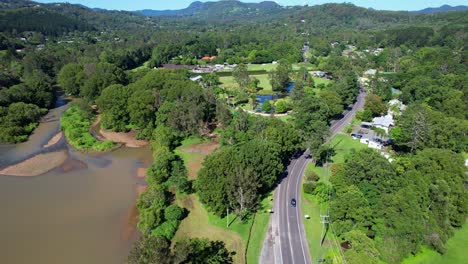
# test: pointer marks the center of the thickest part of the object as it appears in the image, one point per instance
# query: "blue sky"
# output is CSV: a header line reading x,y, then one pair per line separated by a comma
x,y
178,4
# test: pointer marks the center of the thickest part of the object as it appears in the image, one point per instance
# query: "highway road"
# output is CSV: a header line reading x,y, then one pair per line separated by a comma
x,y
286,242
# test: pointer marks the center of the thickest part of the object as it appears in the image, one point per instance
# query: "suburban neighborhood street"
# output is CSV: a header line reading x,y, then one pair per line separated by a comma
x,y
286,241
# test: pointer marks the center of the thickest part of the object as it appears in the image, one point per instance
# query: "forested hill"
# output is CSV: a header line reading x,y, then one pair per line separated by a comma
x,y
59,18
444,8
220,9
40,19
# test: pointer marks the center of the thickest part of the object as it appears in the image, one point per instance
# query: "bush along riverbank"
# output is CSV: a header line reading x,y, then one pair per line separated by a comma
x,y
75,124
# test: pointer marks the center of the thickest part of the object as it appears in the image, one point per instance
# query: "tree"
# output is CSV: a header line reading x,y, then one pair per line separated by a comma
x,y
113,106
362,248
266,106
334,102
104,75
141,108
281,106
413,128
241,76
200,251
71,78
151,206
375,105
150,250
279,78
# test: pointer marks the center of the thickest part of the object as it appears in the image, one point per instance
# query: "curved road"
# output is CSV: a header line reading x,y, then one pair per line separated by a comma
x,y
286,241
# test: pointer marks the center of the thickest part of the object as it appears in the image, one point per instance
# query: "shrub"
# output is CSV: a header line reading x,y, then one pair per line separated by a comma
x,y
312,176
309,187
166,229
174,212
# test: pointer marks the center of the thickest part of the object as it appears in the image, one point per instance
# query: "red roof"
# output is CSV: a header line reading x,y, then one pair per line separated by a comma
x,y
209,58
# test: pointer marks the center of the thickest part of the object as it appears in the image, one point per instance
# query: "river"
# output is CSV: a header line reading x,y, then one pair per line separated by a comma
x,y
80,212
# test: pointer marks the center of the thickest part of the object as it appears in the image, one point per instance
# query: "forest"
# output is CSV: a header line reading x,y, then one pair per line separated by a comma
x,y
114,62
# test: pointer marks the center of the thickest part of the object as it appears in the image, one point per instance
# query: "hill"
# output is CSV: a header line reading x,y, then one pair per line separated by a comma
x,y
444,8
218,9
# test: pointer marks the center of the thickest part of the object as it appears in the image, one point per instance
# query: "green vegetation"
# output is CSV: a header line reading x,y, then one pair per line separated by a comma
x,y
377,205
456,251
75,123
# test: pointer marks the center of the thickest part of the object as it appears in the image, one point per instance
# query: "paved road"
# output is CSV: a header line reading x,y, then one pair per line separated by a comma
x,y
286,242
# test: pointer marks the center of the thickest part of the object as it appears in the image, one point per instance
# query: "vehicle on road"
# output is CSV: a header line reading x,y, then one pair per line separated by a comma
x,y
293,202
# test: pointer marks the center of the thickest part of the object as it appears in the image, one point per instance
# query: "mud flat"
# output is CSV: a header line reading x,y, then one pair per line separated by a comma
x,y
36,165
128,138
54,140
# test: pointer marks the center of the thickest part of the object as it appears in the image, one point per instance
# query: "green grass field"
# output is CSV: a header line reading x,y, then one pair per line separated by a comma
x,y
229,82
201,223
313,230
456,252
142,67
271,67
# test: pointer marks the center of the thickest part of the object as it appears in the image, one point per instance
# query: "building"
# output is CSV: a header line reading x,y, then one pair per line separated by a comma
x,y
395,107
383,122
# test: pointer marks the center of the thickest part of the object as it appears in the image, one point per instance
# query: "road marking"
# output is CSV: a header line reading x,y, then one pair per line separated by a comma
x,y
298,216
287,211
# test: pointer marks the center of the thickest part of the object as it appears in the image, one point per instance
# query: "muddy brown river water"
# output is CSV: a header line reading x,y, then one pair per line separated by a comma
x,y
80,212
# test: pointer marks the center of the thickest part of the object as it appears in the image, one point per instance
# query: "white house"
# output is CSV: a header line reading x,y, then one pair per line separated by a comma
x,y
383,122
395,106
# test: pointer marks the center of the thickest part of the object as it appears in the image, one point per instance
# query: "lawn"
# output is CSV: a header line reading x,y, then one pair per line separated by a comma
x,y
343,144
456,252
313,229
271,67
229,82
142,67
200,223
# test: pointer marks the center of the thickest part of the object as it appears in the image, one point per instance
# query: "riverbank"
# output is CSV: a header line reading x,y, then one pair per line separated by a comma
x,y
37,165
127,139
75,124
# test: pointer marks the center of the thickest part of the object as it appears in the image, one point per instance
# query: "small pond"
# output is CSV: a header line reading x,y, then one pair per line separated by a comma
x,y
262,98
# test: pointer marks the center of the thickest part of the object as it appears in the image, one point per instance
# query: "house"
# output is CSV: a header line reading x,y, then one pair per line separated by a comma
x,y
395,107
383,122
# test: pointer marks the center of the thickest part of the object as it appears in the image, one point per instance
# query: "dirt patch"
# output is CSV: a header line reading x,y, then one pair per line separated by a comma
x,y
128,138
197,154
54,140
205,148
36,165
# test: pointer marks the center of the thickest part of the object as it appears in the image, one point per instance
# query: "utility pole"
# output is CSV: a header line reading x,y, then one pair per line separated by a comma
x,y
227,217
324,222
